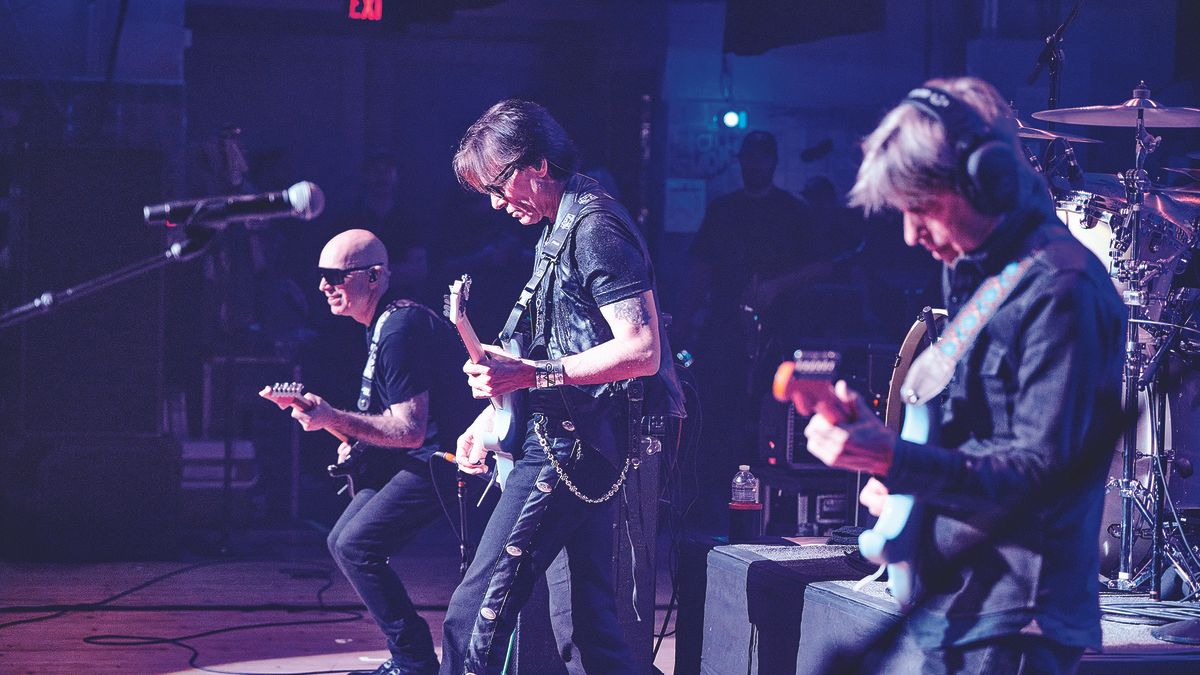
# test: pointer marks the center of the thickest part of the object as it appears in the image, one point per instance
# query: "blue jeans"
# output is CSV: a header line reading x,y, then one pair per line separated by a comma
x,y
536,520
376,524
1008,655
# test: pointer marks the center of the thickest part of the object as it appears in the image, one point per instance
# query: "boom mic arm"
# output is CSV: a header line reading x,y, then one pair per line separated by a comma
x,y
303,200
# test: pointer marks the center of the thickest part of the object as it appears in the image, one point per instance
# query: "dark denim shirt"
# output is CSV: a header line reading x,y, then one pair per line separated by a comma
x,y
1014,488
604,260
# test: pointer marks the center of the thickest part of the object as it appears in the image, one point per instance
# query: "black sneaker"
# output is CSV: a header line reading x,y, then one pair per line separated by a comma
x,y
388,667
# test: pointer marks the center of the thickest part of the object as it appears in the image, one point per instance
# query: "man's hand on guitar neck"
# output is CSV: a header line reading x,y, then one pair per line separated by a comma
x,y
317,415
499,375
862,443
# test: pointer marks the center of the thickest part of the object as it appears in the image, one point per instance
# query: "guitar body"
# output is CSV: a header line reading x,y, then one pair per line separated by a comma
x,y
350,468
508,427
896,536
291,395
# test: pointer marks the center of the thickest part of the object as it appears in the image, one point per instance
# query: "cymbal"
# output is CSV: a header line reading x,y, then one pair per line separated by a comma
x,y
1194,155
1026,131
1112,185
1194,174
1185,190
1125,114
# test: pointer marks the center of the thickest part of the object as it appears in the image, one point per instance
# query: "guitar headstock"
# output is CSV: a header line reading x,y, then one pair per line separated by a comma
x,y
455,308
284,394
805,382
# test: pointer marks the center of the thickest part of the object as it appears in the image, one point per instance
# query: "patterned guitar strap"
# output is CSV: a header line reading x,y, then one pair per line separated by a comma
x,y
934,368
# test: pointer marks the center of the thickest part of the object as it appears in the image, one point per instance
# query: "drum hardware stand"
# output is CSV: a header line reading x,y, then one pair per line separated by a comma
x,y
1151,501
1134,298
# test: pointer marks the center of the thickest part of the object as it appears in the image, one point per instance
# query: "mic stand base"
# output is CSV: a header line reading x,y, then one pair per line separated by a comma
x,y
1181,632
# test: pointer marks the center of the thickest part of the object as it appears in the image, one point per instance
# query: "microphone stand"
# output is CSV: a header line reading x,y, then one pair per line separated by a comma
x,y
1052,56
465,554
196,243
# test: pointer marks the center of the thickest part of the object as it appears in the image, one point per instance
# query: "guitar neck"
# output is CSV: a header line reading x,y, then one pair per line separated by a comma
x,y
304,406
470,340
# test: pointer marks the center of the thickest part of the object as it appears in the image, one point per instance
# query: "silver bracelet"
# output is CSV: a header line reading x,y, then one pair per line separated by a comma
x,y
548,373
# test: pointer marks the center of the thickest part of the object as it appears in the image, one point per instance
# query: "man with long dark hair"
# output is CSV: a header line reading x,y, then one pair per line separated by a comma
x,y
594,331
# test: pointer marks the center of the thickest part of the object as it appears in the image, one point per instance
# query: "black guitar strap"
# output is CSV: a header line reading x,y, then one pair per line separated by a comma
x,y
582,191
368,375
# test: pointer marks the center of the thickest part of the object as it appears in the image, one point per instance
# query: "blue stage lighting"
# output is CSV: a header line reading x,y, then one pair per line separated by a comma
x,y
734,119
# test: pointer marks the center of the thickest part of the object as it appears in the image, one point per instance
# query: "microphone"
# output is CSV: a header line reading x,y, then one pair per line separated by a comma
x,y
1074,173
303,200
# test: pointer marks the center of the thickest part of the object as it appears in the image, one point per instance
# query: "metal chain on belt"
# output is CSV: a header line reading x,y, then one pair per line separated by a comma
x,y
539,429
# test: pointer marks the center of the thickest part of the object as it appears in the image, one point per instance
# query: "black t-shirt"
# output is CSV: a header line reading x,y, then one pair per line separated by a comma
x,y
418,352
607,261
604,260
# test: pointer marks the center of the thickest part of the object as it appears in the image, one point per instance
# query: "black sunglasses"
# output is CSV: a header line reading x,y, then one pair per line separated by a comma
x,y
336,277
496,187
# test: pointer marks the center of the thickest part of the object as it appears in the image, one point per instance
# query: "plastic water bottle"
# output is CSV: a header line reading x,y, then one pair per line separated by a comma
x,y
745,486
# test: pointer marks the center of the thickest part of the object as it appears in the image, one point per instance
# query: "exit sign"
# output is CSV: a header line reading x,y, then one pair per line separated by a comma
x,y
367,10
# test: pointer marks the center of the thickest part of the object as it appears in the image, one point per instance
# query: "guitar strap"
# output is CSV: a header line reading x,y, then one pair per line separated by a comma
x,y
582,191
933,369
368,375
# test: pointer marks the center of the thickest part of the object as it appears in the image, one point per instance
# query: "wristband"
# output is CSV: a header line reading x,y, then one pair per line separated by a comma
x,y
548,373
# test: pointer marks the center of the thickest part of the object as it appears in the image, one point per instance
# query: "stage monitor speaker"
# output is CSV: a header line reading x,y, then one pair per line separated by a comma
x,y
93,365
91,497
754,601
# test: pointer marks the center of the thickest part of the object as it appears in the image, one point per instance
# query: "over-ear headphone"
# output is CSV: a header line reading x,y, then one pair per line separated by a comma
x,y
988,173
372,275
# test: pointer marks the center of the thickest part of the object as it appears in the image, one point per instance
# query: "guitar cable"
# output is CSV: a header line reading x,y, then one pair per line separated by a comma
x,y
461,531
672,493
179,641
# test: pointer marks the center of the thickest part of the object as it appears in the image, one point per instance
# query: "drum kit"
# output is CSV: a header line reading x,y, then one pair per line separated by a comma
x,y
1146,234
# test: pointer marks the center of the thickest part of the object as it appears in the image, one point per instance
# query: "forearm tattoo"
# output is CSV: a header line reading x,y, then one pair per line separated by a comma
x,y
633,311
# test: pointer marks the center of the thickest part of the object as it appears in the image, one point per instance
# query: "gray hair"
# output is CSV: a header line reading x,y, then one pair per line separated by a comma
x,y
908,156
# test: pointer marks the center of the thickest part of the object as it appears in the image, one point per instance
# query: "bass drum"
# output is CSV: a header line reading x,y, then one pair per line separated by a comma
x,y
1110,522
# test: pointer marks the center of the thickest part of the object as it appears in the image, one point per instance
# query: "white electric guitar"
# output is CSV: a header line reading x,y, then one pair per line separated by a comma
x,y
508,425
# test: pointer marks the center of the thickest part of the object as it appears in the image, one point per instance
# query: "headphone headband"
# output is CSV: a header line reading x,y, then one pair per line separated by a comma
x,y
964,126
987,173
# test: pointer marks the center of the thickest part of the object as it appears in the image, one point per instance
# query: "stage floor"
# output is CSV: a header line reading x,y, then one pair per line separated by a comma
x,y
272,577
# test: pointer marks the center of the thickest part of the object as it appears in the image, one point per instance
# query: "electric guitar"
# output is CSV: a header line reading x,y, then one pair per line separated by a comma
x,y
291,395
894,539
508,425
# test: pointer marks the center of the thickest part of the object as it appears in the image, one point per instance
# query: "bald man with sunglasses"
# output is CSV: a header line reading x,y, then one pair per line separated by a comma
x,y
409,411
